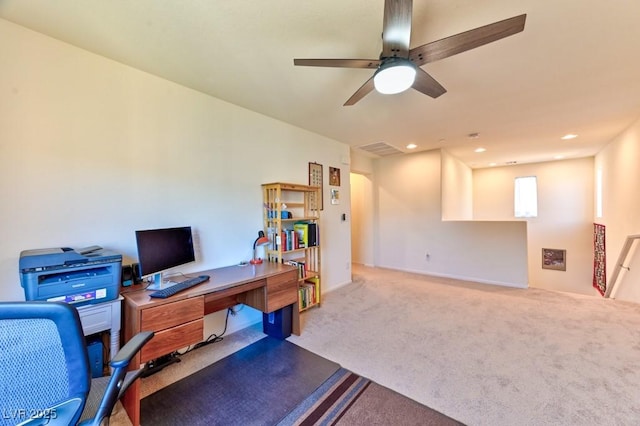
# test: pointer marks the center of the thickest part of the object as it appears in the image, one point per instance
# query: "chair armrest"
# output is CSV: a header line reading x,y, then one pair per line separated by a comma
x,y
130,349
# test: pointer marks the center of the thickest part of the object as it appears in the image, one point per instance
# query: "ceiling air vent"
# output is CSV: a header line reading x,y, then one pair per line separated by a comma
x,y
380,148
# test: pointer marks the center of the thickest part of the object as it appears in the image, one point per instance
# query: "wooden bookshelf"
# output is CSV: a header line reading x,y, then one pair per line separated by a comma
x,y
291,215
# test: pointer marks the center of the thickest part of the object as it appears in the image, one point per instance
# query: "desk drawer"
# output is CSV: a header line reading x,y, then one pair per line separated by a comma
x,y
172,314
282,290
169,340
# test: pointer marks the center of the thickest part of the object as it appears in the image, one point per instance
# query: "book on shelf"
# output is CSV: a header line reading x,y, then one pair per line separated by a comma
x,y
302,267
308,292
287,239
312,231
307,295
301,232
308,234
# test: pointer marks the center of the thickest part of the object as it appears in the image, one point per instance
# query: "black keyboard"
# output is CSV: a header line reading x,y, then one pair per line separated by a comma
x,y
183,285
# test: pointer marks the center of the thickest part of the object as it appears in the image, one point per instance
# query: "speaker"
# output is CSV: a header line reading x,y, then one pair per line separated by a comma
x,y
127,275
137,279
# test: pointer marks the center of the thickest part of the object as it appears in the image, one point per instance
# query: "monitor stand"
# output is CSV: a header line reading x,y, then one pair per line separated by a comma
x,y
158,283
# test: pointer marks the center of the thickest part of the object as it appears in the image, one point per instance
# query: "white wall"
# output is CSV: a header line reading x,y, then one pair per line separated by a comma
x,y
412,236
621,207
457,188
361,163
565,217
91,150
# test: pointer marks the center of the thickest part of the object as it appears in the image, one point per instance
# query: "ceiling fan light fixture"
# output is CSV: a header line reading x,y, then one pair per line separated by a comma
x,y
394,75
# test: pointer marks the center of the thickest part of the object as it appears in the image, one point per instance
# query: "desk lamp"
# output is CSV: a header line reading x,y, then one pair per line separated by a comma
x,y
260,241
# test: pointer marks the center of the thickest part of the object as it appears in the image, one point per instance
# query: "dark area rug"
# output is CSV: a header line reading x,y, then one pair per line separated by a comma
x,y
347,399
258,385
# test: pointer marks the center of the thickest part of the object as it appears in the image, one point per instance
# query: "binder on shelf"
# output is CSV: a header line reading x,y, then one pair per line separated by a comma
x,y
302,232
312,232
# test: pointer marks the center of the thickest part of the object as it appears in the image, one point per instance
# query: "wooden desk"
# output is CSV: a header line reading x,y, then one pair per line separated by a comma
x,y
178,321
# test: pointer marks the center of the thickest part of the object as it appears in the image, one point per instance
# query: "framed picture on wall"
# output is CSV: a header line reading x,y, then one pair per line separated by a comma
x,y
334,176
554,259
315,179
335,196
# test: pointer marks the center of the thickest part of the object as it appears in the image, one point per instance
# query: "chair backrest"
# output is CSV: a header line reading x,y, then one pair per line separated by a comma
x,y
43,362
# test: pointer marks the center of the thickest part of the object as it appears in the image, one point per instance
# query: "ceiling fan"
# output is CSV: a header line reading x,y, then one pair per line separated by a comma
x,y
399,66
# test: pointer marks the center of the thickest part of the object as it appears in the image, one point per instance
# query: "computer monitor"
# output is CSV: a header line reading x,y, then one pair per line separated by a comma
x,y
162,249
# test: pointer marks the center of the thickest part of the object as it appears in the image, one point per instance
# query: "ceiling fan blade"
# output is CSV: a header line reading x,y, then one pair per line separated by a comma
x,y
396,30
341,63
467,40
428,85
363,91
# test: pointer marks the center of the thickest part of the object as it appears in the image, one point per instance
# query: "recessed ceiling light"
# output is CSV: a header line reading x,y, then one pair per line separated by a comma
x,y
559,157
412,146
569,136
480,149
493,164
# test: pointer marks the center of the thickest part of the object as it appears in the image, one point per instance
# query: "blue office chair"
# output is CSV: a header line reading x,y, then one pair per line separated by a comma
x,y
45,375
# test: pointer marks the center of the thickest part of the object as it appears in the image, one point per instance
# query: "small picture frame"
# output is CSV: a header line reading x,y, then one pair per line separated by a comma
x,y
315,179
555,259
335,196
334,176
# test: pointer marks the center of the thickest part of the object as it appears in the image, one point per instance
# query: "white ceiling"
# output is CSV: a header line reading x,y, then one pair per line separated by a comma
x,y
574,69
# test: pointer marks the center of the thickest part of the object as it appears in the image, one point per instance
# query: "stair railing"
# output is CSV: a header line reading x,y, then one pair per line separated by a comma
x,y
620,263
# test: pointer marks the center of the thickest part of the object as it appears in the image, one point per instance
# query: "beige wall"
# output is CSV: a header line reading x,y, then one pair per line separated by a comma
x,y
91,150
362,237
565,216
362,208
411,236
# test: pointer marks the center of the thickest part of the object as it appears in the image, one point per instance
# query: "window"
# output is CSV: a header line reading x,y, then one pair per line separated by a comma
x,y
526,197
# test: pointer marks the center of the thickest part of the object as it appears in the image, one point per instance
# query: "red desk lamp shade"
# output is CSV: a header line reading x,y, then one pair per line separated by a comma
x,y
260,241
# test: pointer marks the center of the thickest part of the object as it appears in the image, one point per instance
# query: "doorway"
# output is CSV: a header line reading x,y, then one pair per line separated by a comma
x,y
362,220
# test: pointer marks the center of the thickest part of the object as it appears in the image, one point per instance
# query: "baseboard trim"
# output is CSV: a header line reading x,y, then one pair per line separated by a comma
x,y
461,278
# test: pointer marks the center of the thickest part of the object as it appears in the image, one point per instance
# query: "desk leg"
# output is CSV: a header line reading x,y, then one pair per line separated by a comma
x,y
295,319
131,402
131,398
115,343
